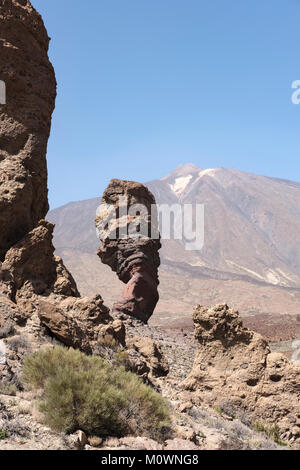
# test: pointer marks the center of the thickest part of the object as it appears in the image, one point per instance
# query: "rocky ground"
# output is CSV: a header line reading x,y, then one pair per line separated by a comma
x,y
196,424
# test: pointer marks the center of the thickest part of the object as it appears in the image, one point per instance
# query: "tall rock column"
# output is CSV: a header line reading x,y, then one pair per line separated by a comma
x,y
25,120
27,262
133,255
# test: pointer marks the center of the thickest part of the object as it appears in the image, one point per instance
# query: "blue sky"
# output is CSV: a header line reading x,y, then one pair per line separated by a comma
x,y
147,85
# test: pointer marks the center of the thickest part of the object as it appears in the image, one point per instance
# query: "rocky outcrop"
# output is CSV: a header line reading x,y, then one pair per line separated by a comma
x,y
10,315
25,120
236,372
132,254
34,268
152,353
114,331
75,323
36,289
28,265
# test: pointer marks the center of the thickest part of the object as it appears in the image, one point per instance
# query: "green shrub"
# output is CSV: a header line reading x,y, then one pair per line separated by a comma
x,y
86,392
2,434
271,431
8,389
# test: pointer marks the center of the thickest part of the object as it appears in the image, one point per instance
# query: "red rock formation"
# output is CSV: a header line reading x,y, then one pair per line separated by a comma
x,y
135,259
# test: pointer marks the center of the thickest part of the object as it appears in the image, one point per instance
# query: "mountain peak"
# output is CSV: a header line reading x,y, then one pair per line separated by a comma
x,y
182,170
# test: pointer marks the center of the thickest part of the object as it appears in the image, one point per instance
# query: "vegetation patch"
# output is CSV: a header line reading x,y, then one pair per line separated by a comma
x,y
88,393
8,389
271,431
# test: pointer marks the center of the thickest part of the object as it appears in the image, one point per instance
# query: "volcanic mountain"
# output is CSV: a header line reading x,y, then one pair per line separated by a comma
x,y
250,257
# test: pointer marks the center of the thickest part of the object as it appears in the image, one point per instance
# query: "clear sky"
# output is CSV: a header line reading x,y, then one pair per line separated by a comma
x,y
147,85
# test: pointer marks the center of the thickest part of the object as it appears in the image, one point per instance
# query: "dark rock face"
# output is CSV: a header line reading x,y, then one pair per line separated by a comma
x,y
125,206
25,120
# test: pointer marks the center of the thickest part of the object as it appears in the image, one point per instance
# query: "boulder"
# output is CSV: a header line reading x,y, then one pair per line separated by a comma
x,y
115,330
71,324
10,313
152,353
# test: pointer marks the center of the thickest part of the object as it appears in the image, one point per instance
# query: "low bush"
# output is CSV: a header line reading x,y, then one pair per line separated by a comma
x,y
8,389
18,343
86,392
6,330
271,431
15,427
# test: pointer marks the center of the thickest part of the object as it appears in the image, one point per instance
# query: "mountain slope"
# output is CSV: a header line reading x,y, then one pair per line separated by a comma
x,y
250,258
251,223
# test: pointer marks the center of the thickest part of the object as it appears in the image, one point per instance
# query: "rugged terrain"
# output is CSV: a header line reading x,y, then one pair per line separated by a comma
x,y
199,421
41,307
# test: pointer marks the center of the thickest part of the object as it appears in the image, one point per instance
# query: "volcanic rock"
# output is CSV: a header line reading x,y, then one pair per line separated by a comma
x,y
10,313
75,323
33,266
130,252
36,289
235,371
114,331
152,353
25,120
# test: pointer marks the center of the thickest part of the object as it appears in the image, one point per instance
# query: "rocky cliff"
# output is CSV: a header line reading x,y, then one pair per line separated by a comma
x,y
25,120
27,261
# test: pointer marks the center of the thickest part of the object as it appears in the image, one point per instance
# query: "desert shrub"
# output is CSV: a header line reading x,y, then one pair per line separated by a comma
x,y
227,408
88,393
15,427
271,431
107,348
238,429
19,342
8,389
6,330
2,434
111,351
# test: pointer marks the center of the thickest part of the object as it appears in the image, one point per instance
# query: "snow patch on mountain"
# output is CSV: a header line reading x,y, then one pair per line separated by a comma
x,y
180,184
209,171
